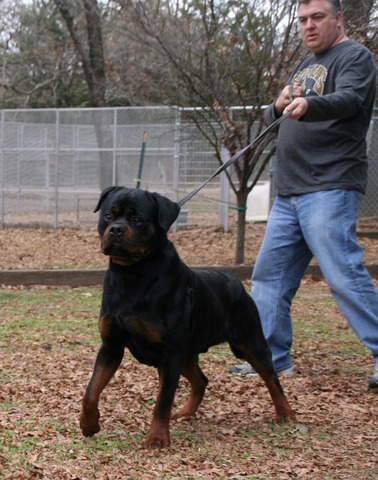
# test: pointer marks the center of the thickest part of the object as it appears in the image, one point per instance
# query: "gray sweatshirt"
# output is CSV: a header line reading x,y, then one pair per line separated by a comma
x,y
326,149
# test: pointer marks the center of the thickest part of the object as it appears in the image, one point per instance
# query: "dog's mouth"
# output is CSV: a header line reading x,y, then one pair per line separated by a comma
x,y
124,254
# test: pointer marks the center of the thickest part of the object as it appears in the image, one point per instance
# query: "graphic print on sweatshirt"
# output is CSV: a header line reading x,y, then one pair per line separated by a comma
x,y
312,79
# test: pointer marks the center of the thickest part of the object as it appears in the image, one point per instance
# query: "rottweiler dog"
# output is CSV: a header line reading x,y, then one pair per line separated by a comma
x,y
165,313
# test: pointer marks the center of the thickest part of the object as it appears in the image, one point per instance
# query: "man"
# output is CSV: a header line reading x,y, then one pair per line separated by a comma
x,y
321,177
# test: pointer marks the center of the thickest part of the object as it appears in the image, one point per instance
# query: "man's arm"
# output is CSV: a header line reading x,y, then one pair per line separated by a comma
x,y
353,84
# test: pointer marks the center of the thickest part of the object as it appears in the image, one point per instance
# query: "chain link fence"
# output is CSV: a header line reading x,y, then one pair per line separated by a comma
x,y
54,164
369,207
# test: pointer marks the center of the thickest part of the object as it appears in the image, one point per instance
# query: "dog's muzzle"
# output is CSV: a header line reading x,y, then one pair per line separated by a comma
x,y
113,239
120,244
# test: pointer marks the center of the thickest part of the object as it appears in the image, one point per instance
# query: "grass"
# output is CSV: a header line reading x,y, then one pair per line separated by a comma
x,y
48,343
45,313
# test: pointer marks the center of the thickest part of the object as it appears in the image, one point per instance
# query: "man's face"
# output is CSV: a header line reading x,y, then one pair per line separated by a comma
x,y
320,28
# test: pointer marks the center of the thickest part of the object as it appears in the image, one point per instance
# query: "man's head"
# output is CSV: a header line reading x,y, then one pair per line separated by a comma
x,y
320,23
333,5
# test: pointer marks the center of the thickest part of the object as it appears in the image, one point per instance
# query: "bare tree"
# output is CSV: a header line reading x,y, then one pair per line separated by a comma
x,y
361,22
223,54
33,56
91,54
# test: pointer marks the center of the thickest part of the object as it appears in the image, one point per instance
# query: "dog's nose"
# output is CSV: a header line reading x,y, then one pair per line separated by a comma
x,y
117,230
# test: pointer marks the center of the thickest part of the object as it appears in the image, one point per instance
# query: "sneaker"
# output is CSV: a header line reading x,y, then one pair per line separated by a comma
x,y
246,370
373,383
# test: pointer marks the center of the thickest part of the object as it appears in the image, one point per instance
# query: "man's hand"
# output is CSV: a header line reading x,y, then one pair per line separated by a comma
x,y
298,107
291,100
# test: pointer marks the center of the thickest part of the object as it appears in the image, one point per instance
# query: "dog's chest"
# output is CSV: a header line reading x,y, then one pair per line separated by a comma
x,y
135,317
150,332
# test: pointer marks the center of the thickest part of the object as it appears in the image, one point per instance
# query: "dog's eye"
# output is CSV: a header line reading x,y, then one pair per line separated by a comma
x,y
108,217
137,220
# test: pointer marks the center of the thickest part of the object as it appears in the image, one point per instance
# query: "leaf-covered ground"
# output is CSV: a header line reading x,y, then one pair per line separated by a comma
x,y
29,249
48,343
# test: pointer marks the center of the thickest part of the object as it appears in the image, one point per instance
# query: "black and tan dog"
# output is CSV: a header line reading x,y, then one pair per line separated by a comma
x,y
165,313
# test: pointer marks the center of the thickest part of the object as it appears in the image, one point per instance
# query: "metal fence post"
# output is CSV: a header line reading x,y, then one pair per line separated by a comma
x,y
114,173
2,171
176,158
56,186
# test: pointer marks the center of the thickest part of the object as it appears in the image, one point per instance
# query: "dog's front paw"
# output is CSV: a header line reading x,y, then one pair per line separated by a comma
x,y
156,441
287,416
90,424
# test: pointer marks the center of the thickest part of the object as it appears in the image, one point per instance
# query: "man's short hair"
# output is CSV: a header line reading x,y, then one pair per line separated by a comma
x,y
334,5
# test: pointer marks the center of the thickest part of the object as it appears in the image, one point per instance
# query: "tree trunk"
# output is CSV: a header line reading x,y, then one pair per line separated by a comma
x,y
241,223
93,61
105,143
96,58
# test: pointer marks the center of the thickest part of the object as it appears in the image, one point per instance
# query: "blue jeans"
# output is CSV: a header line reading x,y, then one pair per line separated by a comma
x,y
323,225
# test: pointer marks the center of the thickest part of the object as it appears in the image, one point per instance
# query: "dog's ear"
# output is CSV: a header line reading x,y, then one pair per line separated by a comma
x,y
168,211
103,195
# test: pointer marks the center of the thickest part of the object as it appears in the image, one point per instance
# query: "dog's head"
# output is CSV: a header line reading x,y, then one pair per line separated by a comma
x,y
133,222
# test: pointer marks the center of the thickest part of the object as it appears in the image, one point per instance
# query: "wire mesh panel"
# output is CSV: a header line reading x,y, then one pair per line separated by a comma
x,y
197,162
146,148
54,163
369,207
28,145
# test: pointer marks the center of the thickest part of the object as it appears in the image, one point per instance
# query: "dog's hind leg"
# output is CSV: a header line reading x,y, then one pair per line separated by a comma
x,y
262,364
198,382
247,341
107,363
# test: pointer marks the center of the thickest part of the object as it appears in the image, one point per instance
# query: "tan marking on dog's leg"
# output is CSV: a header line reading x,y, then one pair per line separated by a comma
x,y
283,410
90,415
169,374
158,435
198,382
